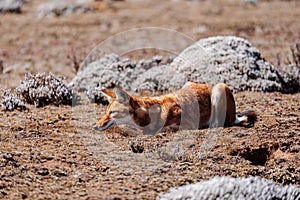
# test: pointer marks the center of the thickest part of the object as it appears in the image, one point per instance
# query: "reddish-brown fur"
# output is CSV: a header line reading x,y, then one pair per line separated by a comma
x,y
193,106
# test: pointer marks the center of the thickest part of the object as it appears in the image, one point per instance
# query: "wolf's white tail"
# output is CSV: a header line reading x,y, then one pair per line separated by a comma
x,y
247,118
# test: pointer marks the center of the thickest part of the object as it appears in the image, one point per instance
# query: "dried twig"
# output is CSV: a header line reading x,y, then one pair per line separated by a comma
x,y
296,54
1,67
290,78
75,59
278,58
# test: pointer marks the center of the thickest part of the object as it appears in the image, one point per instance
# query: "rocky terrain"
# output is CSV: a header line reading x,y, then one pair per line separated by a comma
x,y
49,149
51,152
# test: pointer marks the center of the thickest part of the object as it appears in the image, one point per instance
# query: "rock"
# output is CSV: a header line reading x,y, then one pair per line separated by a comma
x,y
136,146
112,70
228,59
162,78
43,171
13,6
62,7
100,71
59,172
233,188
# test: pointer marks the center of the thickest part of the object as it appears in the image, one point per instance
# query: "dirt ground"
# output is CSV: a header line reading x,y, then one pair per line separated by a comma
x,y
53,152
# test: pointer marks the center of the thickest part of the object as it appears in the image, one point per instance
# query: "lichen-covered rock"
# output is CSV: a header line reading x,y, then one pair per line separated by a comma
x,y
291,80
112,70
62,7
95,96
43,89
161,78
10,101
101,72
13,6
233,188
228,59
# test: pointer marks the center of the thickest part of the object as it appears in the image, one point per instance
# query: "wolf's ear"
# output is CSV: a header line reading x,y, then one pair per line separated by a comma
x,y
109,95
121,95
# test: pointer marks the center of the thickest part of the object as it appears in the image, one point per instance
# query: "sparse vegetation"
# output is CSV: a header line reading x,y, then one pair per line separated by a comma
x,y
53,152
296,55
1,67
11,101
44,89
290,74
55,8
11,6
76,60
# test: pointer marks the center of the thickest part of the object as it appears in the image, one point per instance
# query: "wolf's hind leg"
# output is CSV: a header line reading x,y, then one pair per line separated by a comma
x,y
219,106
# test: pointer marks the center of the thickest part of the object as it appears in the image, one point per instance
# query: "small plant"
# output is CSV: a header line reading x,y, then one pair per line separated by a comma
x,y
1,67
43,89
290,75
11,101
75,59
296,55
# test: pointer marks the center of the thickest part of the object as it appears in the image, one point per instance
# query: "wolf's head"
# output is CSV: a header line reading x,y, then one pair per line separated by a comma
x,y
124,108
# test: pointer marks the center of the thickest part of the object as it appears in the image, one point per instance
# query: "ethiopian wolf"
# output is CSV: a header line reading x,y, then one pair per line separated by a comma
x,y
194,106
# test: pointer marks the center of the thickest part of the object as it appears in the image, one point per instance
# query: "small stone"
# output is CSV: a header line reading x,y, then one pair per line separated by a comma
x,y
43,171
